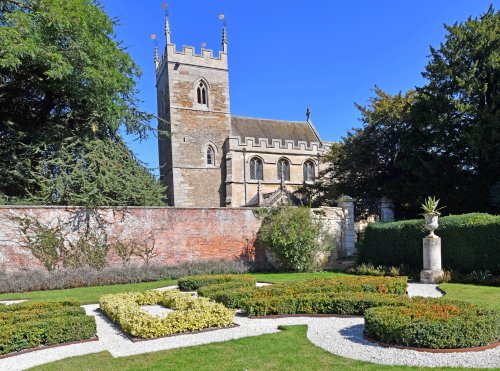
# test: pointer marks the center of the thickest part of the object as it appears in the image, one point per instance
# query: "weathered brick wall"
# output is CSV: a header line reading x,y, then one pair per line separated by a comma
x,y
177,234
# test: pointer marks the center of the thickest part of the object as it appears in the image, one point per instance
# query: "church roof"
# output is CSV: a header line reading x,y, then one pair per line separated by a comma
x,y
247,127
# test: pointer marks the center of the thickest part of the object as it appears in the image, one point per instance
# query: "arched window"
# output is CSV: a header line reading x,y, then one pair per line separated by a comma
x,y
283,169
256,171
202,93
210,156
308,168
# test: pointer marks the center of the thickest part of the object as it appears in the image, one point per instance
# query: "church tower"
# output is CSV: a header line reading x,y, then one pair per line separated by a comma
x,y
194,123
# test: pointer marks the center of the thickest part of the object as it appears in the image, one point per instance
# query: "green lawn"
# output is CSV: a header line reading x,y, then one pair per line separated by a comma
x,y
486,296
88,295
287,350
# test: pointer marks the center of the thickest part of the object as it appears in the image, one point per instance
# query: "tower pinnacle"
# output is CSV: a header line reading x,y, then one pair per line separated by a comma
x,y
157,57
167,28
224,33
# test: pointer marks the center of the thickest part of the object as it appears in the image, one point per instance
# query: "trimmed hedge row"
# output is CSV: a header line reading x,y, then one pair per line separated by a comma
x,y
433,323
238,297
469,242
354,303
191,283
25,326
190,313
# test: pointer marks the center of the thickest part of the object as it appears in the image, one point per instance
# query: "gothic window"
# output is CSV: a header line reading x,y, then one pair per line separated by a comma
x,y
256,171
308,169
202,93
210,156
283,169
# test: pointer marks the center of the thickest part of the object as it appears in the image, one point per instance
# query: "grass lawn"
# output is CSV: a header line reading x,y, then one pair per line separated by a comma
x,y
86,295
486,296
89,295
286,350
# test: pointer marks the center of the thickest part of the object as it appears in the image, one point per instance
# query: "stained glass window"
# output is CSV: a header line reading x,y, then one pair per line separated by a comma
x,y
283,169
256,171
308,171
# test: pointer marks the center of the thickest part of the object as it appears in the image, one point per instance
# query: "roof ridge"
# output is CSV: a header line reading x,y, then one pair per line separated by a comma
x,y
264,119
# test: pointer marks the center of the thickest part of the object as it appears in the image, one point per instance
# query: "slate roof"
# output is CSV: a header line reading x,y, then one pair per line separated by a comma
x,y
247,127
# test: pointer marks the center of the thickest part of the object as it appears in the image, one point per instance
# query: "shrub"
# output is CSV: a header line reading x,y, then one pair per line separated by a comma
x,y
354,303
28,325
470,242
235,297
296,238
64,278
191,283
433,323
190,313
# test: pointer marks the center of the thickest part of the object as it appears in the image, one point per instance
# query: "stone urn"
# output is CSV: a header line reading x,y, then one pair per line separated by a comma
x,y
431,223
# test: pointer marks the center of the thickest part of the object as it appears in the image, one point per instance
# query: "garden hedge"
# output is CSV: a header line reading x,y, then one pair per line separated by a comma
x,y
190,313
25,326
353,303
433,323
234,297
191,283
470,242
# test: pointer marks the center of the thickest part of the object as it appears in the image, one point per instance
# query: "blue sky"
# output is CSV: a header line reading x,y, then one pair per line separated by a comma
x,y
287,55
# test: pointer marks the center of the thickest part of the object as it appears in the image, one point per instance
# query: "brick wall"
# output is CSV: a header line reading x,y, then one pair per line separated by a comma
x,y
178,234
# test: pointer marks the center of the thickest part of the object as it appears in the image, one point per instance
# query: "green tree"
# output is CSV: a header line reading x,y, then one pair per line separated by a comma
x,y
442,139
67,89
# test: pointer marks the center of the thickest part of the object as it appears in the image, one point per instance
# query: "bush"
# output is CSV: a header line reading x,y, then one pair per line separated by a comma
x,y
354,303
235,297
64,278
296,239
433,323
370,270
470,242
190,313
29,325
191,283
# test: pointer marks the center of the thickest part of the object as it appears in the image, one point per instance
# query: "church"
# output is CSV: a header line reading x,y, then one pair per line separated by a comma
x,y
212,158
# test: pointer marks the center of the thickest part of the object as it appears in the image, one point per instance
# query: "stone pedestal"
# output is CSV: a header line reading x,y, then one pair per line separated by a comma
x,y
432,260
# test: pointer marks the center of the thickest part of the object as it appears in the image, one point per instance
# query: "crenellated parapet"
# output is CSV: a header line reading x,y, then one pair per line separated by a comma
x,y
238,143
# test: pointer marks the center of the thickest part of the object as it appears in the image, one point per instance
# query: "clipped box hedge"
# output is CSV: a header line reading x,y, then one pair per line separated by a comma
x,y
190,313
233,296
433,323
190,283
29,325
470,242
352,303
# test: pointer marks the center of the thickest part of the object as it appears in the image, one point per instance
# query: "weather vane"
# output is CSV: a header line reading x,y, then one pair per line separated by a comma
x,y
153,37
164,7
222,17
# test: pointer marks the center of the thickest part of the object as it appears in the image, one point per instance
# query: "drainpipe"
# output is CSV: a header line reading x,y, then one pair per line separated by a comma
x,y
245,173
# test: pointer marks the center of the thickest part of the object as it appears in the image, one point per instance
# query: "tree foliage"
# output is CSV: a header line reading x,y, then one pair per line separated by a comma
x,y
67,89
440,139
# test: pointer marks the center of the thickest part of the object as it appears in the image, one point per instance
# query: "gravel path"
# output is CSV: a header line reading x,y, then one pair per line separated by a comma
x,y
341,336
424,289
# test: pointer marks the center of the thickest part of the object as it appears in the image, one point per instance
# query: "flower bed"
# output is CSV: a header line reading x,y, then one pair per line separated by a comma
x,y
190,283
237,295
433,323
30,325
190,314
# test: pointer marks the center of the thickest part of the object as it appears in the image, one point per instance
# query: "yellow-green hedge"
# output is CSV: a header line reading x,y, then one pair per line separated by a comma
x,y
190,313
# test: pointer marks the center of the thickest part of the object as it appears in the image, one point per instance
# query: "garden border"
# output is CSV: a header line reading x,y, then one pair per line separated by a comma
x,y
434,350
